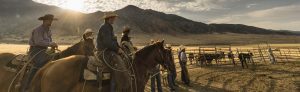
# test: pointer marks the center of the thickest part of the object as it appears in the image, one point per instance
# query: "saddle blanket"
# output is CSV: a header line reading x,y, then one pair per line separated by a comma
x,y
89,75
91,72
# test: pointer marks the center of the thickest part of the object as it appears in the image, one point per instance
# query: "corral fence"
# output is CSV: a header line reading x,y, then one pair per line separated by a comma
x,y
261,52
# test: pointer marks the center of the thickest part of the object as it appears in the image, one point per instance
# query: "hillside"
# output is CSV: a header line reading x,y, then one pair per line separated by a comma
x,y
19,17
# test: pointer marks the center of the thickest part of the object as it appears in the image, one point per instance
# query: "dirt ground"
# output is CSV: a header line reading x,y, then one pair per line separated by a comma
x,y
281,77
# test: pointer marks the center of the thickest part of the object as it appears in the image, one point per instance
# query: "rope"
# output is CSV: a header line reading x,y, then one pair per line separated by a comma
x,y
22,69
155,74
25,65
83,86
111,67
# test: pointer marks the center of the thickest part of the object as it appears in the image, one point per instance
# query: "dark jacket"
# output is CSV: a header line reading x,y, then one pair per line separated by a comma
x,y
126,38
172,63
106,38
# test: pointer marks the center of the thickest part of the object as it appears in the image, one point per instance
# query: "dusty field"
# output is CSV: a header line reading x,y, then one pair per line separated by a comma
x,y
282,77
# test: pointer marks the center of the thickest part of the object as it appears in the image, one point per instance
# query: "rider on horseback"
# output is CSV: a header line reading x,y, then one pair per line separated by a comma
x,y
108,45
40,40
126,41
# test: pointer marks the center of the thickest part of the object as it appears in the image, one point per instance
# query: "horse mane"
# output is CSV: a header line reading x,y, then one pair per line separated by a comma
x,y
145,51
69,50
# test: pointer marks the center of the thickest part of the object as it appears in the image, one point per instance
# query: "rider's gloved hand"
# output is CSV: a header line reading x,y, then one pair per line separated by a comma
x,y
53,45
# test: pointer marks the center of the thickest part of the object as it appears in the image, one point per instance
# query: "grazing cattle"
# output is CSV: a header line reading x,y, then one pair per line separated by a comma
x,y
244,57
207,58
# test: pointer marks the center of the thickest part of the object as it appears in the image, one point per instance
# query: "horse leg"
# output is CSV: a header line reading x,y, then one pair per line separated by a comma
x,y
201,62
251,59
208,62
246,63
233,61
242,62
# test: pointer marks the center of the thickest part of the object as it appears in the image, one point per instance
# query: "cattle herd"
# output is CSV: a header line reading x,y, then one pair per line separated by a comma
x,y
208,58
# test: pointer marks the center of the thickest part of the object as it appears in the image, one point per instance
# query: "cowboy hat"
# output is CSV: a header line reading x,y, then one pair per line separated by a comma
x,y
181,47
88,31
168,46
47,17
109,15
126,29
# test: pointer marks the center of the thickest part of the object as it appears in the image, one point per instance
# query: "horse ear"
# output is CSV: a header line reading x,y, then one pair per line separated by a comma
x,y
161,43
84,37
157,40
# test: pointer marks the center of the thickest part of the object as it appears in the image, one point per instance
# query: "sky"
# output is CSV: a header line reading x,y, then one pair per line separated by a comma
x,y
270,14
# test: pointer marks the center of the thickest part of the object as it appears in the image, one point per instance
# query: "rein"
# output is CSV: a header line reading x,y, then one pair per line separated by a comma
x,y
115,69
111,67
162,55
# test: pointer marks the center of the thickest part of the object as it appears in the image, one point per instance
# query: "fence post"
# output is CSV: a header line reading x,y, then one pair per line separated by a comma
x,y
261,54
286,56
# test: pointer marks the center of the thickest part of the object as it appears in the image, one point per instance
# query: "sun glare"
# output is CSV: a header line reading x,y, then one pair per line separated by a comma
x,y
76,5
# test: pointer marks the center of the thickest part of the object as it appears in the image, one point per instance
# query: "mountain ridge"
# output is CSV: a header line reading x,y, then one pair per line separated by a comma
x,y
143,21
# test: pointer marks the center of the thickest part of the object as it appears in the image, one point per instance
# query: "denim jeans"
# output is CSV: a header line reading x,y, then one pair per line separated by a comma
x,y
156,78
184,73
39,58
171,81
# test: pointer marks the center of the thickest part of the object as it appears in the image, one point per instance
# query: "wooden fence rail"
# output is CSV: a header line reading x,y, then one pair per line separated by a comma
x,y
260,53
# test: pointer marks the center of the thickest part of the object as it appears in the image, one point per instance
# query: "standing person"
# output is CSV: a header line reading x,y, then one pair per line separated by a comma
x,y
172,73
107,43
271,56
231,57
184,71
40,40
156,78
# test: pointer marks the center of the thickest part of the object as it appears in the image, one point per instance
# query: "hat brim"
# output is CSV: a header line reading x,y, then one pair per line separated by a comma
x,y
41,19
111,16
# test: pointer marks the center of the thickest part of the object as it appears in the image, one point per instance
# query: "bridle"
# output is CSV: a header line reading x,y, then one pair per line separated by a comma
x,y
163,57
87,50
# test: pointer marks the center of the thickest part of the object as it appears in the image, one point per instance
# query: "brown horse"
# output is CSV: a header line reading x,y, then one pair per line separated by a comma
x,y
65,75
84,47
5,76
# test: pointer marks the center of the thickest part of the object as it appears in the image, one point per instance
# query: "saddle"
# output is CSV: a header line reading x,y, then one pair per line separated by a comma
x,y
128,48
95,70
16,63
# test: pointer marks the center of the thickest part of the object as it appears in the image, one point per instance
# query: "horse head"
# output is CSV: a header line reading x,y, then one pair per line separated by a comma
x,y
84,47
152,55
88,46
163,55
